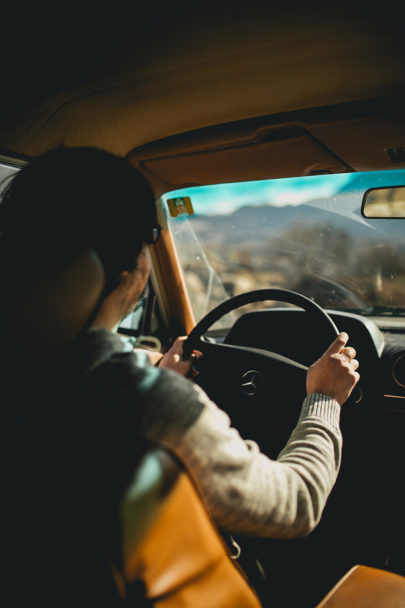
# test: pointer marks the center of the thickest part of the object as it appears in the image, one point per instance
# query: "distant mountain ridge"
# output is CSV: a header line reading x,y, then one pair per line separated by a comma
x,y
266,221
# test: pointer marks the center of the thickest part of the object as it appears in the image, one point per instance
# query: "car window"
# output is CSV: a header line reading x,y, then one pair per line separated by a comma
x,y
305,234
6,173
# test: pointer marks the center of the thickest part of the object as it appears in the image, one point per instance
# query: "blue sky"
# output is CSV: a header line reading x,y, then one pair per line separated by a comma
x,y
226,198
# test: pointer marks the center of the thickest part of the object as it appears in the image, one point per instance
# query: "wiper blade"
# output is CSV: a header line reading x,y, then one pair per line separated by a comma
x,y
377,311
383,311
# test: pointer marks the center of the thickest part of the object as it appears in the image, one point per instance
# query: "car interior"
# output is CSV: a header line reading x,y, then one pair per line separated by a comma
x,y
213,102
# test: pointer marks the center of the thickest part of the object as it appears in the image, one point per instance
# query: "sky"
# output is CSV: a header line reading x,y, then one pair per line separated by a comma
x,y
278,192
226,198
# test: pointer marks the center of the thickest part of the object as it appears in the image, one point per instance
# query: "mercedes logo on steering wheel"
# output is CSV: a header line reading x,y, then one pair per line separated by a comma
x,y
251,382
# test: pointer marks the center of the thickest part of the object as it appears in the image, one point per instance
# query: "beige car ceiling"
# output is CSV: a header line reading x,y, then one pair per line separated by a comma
x,y
204,66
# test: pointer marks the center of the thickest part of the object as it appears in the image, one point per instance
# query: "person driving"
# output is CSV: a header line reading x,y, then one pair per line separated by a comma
x,y
101,401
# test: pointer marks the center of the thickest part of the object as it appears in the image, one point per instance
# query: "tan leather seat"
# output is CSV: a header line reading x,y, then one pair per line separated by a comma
x,y
172,546
365,587
53,312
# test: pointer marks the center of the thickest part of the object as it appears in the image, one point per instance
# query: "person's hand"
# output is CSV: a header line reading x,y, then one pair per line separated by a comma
x,y
173,359
334,374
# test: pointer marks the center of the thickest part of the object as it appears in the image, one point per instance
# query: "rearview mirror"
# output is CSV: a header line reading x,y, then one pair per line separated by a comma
x,y
384,202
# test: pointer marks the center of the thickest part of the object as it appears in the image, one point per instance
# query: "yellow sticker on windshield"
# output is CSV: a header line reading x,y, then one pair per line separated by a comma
x,y
180,206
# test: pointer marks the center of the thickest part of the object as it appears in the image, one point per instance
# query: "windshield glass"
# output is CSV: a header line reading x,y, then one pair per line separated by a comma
x,y
305,234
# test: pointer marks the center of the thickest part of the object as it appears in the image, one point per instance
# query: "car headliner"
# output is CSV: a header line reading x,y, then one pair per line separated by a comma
x,y
262,90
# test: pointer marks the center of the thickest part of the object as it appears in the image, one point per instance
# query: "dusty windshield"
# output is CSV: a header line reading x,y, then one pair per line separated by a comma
x,y
304,234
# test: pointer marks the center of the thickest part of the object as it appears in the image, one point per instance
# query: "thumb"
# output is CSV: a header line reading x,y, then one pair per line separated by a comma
x,y
337,344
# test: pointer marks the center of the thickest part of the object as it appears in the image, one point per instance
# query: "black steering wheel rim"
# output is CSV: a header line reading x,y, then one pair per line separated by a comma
x,y
281,295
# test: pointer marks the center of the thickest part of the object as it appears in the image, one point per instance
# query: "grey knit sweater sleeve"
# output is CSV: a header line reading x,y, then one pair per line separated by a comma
x,y
245,491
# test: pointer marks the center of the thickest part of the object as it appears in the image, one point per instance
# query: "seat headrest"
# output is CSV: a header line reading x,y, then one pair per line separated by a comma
x,y
58,308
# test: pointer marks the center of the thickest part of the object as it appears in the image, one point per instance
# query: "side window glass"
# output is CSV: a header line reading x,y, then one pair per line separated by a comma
x,y
135,320
6,173
144,321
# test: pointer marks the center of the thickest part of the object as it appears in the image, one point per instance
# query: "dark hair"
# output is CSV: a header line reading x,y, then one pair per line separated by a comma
x,y
70,198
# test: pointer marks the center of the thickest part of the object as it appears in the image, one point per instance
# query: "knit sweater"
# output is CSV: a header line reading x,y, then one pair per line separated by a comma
x,y
245,491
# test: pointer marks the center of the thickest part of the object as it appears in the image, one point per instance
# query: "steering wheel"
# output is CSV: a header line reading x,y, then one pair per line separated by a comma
x,y
249,383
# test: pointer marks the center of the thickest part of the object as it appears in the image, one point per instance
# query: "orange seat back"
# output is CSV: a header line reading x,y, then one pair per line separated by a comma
x,y
181,558
365,587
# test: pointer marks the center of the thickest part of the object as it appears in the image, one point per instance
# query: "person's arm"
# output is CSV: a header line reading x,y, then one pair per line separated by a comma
x,y
245,491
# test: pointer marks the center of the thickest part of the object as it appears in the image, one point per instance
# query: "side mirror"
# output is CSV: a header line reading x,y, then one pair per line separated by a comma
x,y
384,203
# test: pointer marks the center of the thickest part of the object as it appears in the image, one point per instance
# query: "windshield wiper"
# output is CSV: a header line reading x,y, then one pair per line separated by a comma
x,y
377,311
383,311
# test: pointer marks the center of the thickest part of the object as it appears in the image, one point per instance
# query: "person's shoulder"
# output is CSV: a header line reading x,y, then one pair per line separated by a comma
x,y
168,382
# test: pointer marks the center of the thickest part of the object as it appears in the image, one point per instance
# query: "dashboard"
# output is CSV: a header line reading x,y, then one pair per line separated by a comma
x,y
291,333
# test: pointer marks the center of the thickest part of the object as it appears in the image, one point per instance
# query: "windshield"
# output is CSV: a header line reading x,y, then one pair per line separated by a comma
x,y
304,234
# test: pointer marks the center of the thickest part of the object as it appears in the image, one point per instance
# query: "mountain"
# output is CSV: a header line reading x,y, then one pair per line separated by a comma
x,y
265,222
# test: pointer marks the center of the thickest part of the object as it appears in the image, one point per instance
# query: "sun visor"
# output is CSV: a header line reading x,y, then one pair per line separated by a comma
x,y
376,142
279,153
